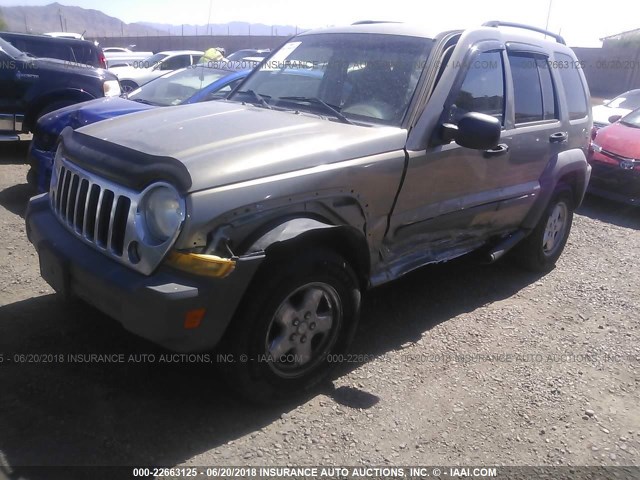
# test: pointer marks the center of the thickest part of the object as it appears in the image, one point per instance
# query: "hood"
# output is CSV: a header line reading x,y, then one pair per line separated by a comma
x,y
68,68
85,113
222,142
601,113
620,139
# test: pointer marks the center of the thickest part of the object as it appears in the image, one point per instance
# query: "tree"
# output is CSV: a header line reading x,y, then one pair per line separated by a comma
x,y
3,24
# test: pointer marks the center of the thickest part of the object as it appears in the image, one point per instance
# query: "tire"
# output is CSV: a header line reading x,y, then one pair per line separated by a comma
x,y
297,312
32,178
128,86
540,251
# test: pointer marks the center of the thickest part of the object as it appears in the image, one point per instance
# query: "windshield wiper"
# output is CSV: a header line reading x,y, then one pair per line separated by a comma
x,y
142,100
316,101
258,97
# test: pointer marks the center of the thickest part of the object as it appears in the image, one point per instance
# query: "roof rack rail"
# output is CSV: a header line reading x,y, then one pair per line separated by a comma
x,y
497,23
371,22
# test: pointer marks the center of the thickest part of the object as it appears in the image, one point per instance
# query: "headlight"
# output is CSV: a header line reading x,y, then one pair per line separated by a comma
x,y
163,212
111,88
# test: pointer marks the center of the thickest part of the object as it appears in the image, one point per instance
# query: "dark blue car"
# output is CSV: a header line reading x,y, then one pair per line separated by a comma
x,y
194,84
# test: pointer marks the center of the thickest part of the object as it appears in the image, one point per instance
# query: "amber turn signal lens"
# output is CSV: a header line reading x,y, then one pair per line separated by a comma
x,y
199,264
193,318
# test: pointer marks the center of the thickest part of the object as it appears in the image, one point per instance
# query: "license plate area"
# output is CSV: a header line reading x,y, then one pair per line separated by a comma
x,y
54,271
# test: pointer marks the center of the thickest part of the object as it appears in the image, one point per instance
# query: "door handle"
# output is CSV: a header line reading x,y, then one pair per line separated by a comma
x,y
498,150
559,137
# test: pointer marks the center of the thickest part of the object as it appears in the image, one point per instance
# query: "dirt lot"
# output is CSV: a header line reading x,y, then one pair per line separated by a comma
x,y
460,364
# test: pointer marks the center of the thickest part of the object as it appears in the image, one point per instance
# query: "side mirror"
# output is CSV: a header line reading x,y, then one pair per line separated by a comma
x,y
614,118
474,130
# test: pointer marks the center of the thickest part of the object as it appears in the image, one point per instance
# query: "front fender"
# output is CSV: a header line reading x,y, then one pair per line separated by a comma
x,y
37,104
301,233
287,231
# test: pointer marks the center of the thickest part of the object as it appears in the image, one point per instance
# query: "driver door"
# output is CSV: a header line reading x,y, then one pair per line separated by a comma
x,y
449,199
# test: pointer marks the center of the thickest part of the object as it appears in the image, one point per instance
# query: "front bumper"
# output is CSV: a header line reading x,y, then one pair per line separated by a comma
x,y
154,307
41,162
614,183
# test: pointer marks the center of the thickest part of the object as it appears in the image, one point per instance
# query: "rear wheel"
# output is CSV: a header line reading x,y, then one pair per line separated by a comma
x,y
296,315
540,251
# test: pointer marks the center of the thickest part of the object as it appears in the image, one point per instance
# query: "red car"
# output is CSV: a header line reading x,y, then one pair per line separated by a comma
x,y
614,156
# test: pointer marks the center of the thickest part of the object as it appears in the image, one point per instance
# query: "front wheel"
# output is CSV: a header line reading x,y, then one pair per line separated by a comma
x,y
540,251
128,86
299,313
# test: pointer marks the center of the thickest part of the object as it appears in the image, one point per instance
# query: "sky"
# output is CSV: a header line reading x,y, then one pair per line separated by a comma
x,y
582,23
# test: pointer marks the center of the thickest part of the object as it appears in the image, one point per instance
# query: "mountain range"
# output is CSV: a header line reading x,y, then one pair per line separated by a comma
x,y
94,23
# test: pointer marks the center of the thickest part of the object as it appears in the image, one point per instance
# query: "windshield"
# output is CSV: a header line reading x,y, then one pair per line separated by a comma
x,y
240,54
367,78
152,60
10,49
630,100
632,119
176,87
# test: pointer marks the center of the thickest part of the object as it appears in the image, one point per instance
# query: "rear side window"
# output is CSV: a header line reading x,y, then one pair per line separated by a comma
x,y
573,87
534,96
482,89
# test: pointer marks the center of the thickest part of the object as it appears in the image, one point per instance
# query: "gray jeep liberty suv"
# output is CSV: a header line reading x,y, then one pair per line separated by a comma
x,y
350,157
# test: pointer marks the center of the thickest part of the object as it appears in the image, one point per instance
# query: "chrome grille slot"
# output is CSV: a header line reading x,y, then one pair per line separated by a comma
x,y
103,219
120,224
81,205
73,196
92,205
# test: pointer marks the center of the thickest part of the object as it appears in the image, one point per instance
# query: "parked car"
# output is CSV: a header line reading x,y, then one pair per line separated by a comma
x,y
124,57
118,50
143,71
31,87
182,87
75,36
70,50
615,158
621,105
248,52
254,224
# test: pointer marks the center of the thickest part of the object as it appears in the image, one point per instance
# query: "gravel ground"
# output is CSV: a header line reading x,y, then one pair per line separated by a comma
x,y
453,365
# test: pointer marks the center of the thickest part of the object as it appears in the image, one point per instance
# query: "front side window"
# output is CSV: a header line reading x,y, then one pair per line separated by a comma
x,y
482,90
369,78
152,60
174,63
10,49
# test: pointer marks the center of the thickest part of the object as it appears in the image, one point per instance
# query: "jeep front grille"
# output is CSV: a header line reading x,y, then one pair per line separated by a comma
x,y
92,211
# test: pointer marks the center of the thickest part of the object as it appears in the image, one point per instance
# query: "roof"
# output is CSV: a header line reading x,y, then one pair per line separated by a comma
x,y
384,28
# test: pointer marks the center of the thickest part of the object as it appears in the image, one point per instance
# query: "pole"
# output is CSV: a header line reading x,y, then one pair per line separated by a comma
x,y
209,18
548,15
